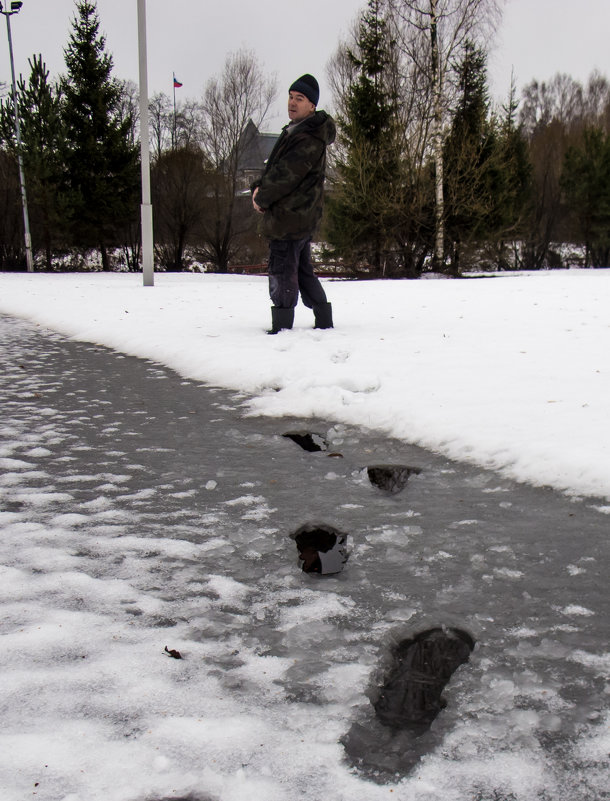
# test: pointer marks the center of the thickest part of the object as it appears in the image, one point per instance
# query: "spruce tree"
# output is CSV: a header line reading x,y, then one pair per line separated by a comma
x,y
585,180
101,161
42,137
512,190
361,212
467,158
487,172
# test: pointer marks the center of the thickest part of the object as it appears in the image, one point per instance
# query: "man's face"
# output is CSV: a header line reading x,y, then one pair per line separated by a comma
x,y
299,106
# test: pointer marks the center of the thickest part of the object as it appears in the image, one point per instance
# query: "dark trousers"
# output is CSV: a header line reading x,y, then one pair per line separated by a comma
x,y
291,272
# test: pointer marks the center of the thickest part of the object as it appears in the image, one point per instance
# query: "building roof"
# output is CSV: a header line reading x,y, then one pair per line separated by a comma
x,y
256,148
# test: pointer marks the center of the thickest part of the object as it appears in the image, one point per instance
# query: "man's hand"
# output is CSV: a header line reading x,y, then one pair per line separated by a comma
x,y
254,203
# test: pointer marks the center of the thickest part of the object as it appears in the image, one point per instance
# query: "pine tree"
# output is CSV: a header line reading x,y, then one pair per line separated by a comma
x,y
42,136
101,161
470,161
362,211
512,189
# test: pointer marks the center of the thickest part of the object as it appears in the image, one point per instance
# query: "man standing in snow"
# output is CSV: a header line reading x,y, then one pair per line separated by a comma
x,y
290,195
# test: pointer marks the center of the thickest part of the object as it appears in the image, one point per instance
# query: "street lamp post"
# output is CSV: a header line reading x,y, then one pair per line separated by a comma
x,y
148,267
13,8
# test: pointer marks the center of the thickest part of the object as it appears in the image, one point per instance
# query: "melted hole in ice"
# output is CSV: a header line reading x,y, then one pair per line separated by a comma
x,y
421,667
308,440
390,477
322,548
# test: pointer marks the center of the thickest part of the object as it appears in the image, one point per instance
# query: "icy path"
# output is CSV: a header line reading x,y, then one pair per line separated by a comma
x,y
138,510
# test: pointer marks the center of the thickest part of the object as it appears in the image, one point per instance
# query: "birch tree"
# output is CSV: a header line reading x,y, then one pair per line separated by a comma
x,y
433,35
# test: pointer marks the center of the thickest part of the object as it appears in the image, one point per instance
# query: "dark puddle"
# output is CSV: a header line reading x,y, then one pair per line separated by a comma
x,y
395,732
390,478
321,548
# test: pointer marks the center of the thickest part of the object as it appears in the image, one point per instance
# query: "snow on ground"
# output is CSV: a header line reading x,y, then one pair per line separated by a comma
x,y
111,549
510,372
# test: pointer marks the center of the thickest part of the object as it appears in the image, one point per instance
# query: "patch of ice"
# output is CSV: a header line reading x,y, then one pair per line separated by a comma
x,y
576,610
73,519
315,608
7,463
229,590
505,572
599,662
246,500
149,492
42,498
36,452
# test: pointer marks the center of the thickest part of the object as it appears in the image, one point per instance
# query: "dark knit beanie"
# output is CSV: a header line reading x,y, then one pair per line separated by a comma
x,y
308,86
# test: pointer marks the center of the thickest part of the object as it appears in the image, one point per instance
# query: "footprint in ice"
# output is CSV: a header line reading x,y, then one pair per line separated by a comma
x,y
411,696
392,734
322,548
391,478
309,441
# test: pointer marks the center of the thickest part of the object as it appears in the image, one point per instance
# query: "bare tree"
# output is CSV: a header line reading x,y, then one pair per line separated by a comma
x,y
432,35
241,93
160,119
597,101
561,100
169,128
341,72
180,187
555,116
128,108
188,125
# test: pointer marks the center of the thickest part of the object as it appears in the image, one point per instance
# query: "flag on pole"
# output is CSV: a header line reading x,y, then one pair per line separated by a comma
x,y
177,83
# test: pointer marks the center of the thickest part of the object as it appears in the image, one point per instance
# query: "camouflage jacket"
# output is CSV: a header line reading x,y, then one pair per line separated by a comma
x,y
291,189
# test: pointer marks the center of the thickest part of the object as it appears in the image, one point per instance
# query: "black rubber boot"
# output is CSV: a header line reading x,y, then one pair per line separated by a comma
x,y
280,319
323,314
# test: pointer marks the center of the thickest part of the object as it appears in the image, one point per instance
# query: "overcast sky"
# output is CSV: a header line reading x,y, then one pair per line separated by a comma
x,y
537,38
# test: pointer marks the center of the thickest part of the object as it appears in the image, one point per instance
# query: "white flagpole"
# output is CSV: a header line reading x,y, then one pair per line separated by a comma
x,y
174,85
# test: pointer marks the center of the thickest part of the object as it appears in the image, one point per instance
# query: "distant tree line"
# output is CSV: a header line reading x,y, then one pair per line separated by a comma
x,y
80,148
430,175
427,173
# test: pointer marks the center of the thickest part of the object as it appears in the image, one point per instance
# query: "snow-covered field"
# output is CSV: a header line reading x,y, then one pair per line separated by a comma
x,y
510,372
110,550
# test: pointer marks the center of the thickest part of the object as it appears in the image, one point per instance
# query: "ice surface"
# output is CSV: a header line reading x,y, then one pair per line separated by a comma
x,y
278,667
